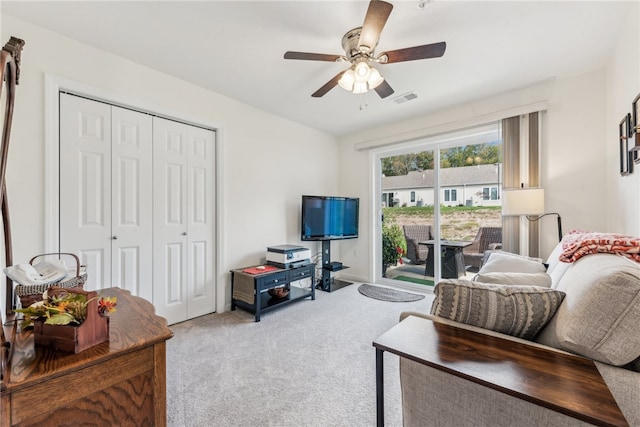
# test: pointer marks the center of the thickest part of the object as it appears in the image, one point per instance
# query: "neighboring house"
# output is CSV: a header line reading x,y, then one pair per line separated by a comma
x,y
477,185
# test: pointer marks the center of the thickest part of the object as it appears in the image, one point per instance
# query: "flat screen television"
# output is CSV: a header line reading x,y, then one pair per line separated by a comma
x,y
329,218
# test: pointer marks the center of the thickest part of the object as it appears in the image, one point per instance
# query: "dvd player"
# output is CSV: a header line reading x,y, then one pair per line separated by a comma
x,y
334,266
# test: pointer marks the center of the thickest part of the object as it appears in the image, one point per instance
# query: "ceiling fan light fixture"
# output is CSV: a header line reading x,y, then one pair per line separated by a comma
x,y
347,80
375,79
359,46
360,87
360,78
362,71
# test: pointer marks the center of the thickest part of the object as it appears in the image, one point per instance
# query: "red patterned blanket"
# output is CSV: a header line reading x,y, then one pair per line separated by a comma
x,y
578,243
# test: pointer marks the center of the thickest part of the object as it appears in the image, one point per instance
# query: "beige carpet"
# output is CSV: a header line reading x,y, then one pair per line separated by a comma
x,y
311,363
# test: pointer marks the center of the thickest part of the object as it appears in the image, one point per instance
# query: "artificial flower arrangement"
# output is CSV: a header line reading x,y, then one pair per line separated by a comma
x,y
64,308
69,319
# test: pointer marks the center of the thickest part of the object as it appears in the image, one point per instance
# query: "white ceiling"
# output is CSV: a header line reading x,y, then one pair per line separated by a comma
x,y
236,48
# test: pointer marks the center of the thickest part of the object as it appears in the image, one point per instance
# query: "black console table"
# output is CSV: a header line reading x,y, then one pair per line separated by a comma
x,y
451,256
251,291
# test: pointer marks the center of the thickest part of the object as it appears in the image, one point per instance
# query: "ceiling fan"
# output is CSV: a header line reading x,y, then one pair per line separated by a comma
x,y
359,45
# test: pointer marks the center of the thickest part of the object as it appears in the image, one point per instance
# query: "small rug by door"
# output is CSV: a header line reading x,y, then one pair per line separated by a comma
x,y
387,294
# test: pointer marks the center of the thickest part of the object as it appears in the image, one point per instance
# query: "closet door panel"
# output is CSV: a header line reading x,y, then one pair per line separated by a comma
x,y
85,185
132,218
94,259
184,220
174,196
170,225
199,267
126,269
174,273
91,194
201,149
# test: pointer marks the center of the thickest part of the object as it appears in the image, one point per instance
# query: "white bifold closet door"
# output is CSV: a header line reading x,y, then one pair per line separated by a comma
x,y
105,198
137,204
183,219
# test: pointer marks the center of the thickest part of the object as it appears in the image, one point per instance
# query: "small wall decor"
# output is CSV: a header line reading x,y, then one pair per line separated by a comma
x,y
635,116
634,130
626,156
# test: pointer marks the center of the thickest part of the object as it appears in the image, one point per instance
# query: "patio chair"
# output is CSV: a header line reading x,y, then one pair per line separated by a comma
x,y
414,234
488,238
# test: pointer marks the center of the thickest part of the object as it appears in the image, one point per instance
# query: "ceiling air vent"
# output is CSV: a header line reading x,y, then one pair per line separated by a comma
x,y
404,98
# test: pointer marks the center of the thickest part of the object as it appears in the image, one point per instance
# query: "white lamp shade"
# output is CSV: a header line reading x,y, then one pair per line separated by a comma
x,y
523,201
374,79
362,71
347,79
360,87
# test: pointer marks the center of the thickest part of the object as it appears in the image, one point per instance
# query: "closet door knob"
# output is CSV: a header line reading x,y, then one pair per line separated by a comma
x,y
184,234
115,237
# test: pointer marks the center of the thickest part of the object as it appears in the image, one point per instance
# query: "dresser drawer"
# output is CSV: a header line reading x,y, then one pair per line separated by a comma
x,y
300,273
272,280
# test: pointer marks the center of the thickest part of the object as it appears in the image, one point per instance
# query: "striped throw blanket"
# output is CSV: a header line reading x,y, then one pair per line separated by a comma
x,y
578,243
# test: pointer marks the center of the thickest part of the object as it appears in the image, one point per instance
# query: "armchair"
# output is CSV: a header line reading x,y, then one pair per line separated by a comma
x,y
413,234
488,238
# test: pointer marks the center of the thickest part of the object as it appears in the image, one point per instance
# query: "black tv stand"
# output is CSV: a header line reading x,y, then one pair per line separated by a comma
x,y
327,283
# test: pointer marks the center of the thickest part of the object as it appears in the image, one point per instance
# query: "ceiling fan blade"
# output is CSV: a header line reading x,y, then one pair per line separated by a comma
x,y
383,89
374,22
312,56
328,85
434,50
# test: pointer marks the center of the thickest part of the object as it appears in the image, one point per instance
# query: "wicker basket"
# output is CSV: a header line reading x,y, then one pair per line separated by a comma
x,y
29,294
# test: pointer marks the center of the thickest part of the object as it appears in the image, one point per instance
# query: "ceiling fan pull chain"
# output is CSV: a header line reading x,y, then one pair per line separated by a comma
x,y
364,104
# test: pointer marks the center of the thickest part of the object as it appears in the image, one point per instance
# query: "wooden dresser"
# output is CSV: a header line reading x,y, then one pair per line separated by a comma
x,y
119,382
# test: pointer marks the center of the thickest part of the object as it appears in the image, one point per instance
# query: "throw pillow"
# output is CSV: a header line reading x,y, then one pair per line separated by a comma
x,y
521,311
505,262
599,320
516,279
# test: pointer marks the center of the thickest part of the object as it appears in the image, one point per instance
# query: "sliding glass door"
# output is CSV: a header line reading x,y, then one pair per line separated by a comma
x,y
440,206
407,203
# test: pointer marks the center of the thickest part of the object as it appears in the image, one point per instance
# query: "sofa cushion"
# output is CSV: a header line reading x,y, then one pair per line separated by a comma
x,y
505,262
517,279
556,268
515,310
599,318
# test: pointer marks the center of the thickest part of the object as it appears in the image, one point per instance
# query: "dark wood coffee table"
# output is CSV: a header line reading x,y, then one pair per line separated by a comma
x,y
561,382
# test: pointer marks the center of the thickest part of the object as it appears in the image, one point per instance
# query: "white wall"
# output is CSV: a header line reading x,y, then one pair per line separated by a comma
x,y
574,165
268,162
623,85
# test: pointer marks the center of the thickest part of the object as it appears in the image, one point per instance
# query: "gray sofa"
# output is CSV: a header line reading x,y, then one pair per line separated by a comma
x,y
598,318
